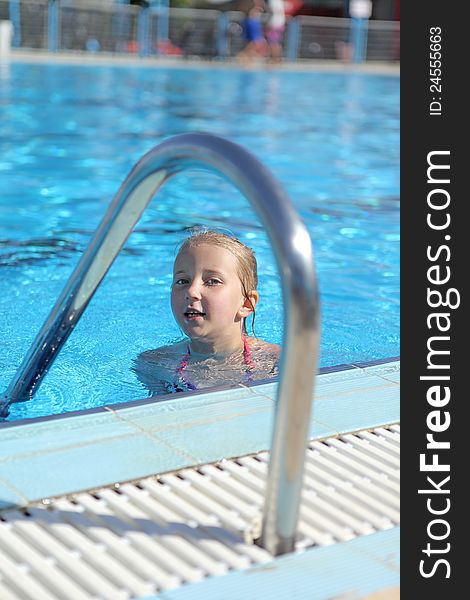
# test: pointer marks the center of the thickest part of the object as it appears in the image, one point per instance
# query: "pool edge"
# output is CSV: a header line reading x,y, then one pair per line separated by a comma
x,y
59,456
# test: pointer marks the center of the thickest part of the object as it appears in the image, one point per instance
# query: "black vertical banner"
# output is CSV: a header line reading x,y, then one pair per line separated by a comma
x,y
434,328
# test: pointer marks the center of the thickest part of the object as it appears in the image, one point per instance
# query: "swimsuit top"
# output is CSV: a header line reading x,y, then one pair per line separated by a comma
x,y
182,384
253,30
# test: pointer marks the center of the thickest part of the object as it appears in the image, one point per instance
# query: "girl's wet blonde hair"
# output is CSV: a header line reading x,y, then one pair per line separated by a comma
x,y
247,268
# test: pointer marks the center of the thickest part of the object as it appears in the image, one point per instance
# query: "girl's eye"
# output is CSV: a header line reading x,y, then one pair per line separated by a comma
x,y
181,281
213,281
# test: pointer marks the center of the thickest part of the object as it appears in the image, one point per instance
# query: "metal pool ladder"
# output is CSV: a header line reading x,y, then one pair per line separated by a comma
x,y
294,254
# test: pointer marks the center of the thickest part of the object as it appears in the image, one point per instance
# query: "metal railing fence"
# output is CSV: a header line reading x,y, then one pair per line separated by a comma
x,y
323,37
94,26
383,41
194,32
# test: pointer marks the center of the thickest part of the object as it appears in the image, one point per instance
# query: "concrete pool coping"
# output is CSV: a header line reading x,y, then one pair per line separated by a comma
x,y
104,59
46,457
365,566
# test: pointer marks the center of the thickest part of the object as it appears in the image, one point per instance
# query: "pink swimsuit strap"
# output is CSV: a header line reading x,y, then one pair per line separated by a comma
x,y
247,353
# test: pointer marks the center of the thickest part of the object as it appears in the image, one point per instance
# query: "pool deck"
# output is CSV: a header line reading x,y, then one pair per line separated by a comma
x,y
157,437
103,58
364,567
54,456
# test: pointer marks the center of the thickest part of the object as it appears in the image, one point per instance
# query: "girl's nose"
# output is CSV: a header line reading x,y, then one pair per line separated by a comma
x,y
193,291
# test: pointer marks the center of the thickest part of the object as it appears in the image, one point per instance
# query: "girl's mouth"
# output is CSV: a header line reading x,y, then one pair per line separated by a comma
x,y
194,314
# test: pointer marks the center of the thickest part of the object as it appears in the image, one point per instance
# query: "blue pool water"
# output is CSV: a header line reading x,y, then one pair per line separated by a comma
x,y
69,135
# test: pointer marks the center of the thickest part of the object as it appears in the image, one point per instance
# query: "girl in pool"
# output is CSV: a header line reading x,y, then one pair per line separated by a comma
x,y
212,294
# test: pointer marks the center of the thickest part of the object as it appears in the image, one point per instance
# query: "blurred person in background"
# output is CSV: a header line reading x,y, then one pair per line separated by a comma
x,y
275,29
253,33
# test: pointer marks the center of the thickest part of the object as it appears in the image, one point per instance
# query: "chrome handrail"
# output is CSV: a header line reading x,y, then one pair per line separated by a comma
x,y
294,254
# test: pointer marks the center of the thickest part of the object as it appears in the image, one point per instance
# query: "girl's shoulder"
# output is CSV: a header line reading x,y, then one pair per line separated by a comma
x,y
264,357
257,344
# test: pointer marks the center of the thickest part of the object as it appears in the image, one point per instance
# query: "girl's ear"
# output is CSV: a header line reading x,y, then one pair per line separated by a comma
x,y
249,304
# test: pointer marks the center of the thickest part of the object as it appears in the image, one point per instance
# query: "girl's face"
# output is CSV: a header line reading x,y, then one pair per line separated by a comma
x,y
206,295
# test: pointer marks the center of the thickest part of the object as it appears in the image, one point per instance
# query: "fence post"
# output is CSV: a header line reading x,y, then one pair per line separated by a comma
x,y
222,35
15,18
143,29
53,26
360,12
6,34
163,24
293,39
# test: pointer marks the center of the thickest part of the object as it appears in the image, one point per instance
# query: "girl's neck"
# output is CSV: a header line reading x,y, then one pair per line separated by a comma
x,y
220,349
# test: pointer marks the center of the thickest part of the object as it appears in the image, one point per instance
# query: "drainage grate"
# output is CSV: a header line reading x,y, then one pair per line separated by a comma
x,y
136,539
